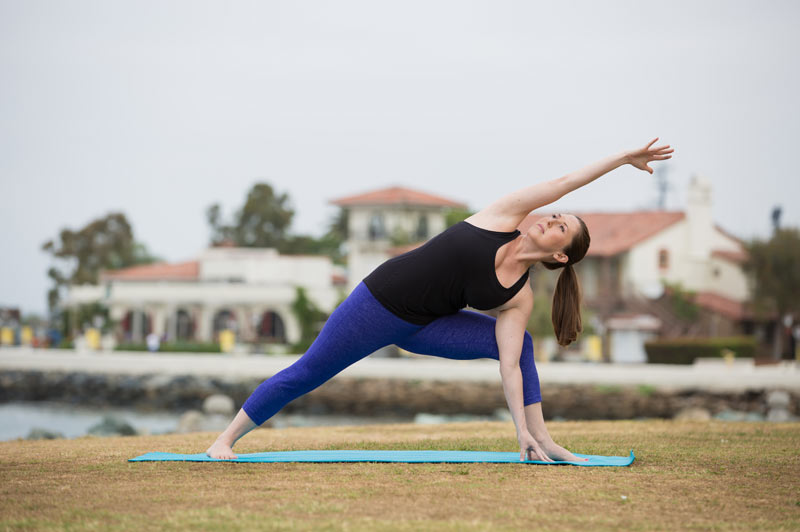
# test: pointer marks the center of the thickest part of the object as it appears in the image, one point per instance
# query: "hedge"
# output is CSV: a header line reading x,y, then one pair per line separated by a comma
x,y
686,350
173,347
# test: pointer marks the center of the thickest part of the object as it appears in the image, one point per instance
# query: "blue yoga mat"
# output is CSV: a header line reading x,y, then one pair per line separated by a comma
x,y
411,457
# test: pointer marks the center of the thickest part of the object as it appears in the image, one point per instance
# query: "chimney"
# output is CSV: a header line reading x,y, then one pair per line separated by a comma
x,y
698,217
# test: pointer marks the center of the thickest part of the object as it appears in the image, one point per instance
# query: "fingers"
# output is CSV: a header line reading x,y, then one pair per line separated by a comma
x,y
651,143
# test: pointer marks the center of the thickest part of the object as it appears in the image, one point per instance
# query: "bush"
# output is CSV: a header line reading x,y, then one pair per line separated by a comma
x,y
686,350
173,347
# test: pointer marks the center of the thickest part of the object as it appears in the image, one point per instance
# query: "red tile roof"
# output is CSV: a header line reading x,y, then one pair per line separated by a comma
x,y
397,196
725,306
613,233
184,271
737,257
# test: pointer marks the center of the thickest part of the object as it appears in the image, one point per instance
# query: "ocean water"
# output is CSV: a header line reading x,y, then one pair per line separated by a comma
x,y
18,419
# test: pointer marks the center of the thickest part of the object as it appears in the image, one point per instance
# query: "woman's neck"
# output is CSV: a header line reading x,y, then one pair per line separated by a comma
x,y
526,252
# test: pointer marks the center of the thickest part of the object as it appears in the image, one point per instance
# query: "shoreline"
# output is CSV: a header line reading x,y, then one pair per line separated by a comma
x,y
710,374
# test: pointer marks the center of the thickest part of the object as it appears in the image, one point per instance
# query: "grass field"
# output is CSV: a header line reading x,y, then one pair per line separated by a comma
x,y
715,475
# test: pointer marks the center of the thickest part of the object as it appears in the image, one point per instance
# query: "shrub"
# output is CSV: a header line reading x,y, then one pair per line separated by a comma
x,y
686,350
173,347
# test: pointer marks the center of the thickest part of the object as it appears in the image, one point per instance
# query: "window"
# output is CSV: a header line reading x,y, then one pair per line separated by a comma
x,y
377,229
422,227
663,259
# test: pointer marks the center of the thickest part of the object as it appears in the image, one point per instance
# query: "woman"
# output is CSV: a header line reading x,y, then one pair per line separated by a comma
x,y
415,302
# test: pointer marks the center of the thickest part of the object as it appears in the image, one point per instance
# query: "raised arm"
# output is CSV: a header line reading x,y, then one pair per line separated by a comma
x,y
506,213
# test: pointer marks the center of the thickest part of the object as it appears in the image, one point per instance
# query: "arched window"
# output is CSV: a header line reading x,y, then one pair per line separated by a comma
x,y
224,319
271,328
184,328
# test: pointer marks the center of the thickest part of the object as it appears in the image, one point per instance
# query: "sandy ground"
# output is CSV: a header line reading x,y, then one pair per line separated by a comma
x,y
687,476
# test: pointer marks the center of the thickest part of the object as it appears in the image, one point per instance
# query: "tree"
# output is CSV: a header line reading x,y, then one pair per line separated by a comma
x,y
453,216
103,244
262,222
309,316
774,266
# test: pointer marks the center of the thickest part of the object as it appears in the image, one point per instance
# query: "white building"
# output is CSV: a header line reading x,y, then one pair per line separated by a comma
x,y
251,290
633,254
247,290
383,223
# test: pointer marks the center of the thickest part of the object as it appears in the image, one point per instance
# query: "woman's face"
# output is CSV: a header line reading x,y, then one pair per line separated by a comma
x,y
555,232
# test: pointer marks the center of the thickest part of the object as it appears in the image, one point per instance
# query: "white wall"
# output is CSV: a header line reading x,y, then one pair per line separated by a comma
x,y
727,279
395,219
692,272
640,268
264,266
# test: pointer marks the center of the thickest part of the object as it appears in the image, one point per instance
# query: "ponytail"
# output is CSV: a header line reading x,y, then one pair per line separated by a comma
x,y
566,314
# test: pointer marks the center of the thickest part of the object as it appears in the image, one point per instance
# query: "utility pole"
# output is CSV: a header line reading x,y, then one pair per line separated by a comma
x,y
662,185
776,218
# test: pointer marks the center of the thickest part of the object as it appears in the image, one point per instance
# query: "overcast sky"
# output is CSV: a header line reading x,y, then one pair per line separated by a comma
x,y
161,108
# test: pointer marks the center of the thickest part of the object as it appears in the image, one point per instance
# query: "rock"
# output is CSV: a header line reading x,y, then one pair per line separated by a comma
x,y
37,433
112,426
502,414
191,421
779,415
216,422
693,414
156,382
735,415
218,404
778,399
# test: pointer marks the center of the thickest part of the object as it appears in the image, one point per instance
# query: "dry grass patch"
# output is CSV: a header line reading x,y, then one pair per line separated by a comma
x,y
687,475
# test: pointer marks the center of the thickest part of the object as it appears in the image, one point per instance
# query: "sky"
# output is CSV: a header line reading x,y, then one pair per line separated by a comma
x,y
161,108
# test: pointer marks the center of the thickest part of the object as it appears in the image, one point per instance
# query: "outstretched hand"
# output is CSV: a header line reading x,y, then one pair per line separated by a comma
x,y
639,158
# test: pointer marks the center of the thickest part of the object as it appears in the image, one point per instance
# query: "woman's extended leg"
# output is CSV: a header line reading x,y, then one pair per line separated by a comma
x,y
359,326
469,335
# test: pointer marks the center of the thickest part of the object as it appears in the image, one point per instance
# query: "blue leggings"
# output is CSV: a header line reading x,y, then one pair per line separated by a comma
x,y
360,326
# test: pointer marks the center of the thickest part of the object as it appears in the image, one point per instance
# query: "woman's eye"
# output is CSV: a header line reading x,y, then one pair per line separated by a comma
x,y
562,228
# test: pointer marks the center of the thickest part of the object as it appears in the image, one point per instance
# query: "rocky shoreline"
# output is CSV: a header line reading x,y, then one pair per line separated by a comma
x,y
399,397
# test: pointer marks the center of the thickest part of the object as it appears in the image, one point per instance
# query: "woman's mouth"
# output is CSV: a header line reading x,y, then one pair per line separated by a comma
x,y
540,227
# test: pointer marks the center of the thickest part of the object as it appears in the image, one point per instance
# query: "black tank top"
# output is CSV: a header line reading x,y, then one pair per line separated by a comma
x,y
452,270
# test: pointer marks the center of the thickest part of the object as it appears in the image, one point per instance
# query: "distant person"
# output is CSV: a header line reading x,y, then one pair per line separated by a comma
x,y
153,342
415,301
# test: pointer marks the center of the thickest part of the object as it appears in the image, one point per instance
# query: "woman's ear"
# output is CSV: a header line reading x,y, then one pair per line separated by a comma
x,y
560,257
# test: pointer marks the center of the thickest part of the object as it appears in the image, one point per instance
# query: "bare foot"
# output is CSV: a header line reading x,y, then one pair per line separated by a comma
x,y
558,453
221,451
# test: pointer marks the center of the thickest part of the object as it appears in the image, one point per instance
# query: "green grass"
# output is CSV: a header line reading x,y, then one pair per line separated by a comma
x,y
713,475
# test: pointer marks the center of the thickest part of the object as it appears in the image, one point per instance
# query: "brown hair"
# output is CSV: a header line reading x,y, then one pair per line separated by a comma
x,y
566,314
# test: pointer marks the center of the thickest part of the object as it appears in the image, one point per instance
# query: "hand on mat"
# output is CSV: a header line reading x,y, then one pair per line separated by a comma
x,y
529,448
639,158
